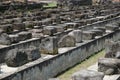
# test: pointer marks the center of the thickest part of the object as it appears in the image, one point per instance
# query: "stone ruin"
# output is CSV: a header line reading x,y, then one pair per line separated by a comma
x,y
87,75
49,46
18,57
110,64
54,30
73,4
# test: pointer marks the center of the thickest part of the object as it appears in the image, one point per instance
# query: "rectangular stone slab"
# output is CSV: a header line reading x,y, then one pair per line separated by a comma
x,y
88,35
49,46
49,30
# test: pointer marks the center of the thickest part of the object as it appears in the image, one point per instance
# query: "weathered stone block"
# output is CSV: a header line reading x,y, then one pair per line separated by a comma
x,y
88,35
16,58
109,66
112,27
67,41
100,28
19,26
37,35
29,24
77,34
112,48
37,27
97,32
58,28
117,55
33,53
17,20
9,16
87,75
24,35
72,25
46,21
8,21
36,31
7,28
5,39
49,30
14,38
49,46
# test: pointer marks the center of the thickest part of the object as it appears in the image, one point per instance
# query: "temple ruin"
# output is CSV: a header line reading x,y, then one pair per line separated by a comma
x,y
38,43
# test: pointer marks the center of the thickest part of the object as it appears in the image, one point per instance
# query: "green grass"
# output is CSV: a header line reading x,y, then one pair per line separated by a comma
x,y
52,4
83,65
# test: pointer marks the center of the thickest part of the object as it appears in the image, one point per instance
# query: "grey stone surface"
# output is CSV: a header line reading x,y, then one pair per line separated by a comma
x,y
36,33
109,66
112,49
97,32
33,53
36,30
6,28
49,46
117,55
29,24
25,35
77,34
14,38
101,28
53,79
59,28
19,26
87,75
61,62
16,57
5,39
72,25
17,20
112,27
49,30
88,35
67,41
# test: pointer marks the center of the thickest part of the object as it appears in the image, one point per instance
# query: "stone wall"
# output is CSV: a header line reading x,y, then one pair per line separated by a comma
x,y
99,23
26,44
22,6
22,45
37,42
71,3
50,67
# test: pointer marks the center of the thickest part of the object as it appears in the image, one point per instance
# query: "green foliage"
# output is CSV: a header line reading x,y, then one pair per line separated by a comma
x,y
52,4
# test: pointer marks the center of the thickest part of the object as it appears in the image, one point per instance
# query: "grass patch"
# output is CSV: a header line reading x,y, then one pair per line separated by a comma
x,y
51,4
83,65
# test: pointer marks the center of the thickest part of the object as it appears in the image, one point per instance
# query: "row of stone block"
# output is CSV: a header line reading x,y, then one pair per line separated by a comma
x,y
70,40
51,30
6,39
31,24
36,16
